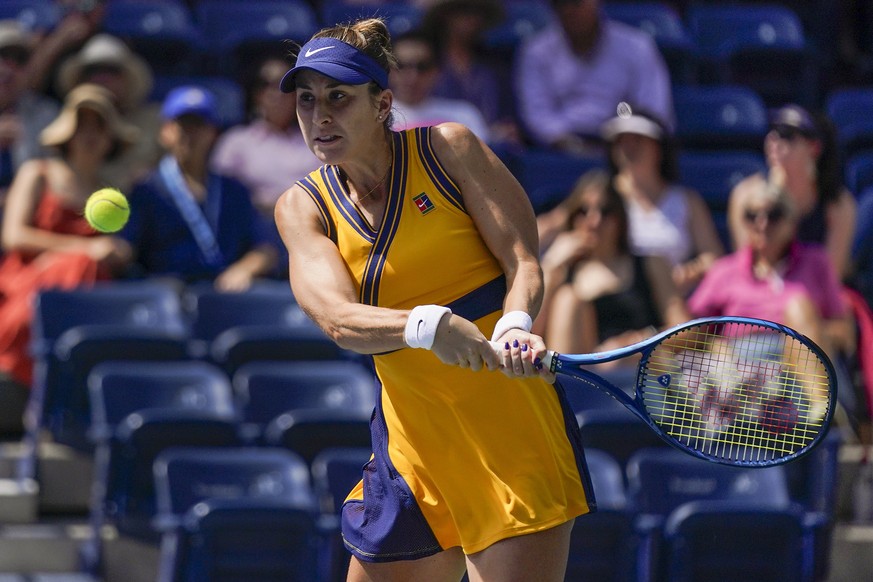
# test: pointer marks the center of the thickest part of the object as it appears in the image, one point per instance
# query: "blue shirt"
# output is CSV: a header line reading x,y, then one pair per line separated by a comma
x,y
163,242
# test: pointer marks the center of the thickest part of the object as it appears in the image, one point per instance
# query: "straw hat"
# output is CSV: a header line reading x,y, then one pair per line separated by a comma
x,y
94,98
105,49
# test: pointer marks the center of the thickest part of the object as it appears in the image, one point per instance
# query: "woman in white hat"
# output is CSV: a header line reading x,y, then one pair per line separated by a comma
x,y
107,61
45,236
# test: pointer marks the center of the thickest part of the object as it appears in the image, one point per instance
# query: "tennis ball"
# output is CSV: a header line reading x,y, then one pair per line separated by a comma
x,y
107,210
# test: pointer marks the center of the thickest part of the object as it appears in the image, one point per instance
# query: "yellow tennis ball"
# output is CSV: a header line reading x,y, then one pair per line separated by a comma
x,y
107,210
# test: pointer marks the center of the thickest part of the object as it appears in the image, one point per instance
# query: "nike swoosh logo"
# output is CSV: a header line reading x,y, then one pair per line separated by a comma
x,y
310,52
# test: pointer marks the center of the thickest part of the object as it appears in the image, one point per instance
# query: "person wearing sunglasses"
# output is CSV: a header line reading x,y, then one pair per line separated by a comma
x,y
801,155
777,277
599,295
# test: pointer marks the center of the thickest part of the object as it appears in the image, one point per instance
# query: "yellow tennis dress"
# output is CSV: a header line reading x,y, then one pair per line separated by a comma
x,y
460,458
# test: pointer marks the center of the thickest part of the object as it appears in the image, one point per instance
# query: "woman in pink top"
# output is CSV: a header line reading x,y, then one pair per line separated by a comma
x,y
777,278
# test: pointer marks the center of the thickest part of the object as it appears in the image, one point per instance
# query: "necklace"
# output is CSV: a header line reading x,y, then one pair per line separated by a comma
x,y
376,187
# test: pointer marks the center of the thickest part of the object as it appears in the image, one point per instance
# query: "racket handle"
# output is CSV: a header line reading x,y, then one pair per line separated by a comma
x,y
547,359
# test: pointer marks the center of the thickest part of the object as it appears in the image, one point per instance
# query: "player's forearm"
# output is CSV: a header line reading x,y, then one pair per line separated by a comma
x,y
524,289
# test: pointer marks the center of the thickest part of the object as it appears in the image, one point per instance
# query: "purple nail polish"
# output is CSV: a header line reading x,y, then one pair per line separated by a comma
x,y
524,348
538,366
515,343
537,362
506,347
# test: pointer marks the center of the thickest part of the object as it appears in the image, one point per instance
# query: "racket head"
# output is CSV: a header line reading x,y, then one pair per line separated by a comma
x,y
737,391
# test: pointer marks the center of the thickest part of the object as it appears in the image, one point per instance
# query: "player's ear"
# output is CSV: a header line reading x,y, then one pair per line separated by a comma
x,y
384,103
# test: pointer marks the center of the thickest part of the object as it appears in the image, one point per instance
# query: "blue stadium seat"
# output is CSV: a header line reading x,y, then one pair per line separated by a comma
x,y
307,432
759,45
240,32
617,432
335,471
859,172
603,544
714,174
260,325
74,330
849,111
523,19
548,176
229,94
163,33
665,26
35,15
722,541
662,479
400,17
719,117
118,388
264,390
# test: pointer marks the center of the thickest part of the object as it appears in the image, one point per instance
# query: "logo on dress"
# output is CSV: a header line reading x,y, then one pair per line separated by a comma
x,y
423,203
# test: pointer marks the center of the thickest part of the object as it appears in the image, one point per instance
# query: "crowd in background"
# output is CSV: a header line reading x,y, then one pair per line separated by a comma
x,y
629,251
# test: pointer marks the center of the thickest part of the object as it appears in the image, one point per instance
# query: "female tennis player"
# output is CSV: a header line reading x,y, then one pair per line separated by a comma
x,y
418,247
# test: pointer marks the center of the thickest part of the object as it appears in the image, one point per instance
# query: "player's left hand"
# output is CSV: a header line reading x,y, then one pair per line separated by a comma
x,y
522,354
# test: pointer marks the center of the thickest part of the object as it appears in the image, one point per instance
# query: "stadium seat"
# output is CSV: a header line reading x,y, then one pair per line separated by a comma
x,y
662,479
665,26
714,174
264,390
719,117
35,15
400,17
617,432
118,388
74,330
859,172
603,544
563,171
335,471
759,45
240,32
724,541
264,324
307,432
163,33
523,18
228,93
849,111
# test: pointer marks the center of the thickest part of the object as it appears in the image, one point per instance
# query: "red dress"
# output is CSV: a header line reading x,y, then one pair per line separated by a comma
x,y
23,274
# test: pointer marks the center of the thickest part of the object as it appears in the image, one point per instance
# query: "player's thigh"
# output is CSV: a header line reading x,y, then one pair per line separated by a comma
x,y
446,566
540,556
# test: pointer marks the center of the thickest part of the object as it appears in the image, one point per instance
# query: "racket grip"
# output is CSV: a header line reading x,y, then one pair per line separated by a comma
x,y
547,359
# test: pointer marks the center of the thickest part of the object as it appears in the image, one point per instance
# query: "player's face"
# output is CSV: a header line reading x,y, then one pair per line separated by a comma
x,y
339,122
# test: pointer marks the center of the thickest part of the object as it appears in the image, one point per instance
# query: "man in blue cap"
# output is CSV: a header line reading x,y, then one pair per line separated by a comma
x,y
188,223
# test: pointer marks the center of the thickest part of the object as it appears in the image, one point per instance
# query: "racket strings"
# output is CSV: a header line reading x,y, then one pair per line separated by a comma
x,y
736,391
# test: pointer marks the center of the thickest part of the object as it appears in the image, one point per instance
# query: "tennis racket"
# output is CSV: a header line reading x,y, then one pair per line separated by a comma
x,y
733,390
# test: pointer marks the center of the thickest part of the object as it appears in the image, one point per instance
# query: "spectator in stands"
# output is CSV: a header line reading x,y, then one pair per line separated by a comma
x,y
599,295
189,223
570,76
467,73
105,60
80,20
23,113
45,235
776,276
413,83
269,153
802,156
666,218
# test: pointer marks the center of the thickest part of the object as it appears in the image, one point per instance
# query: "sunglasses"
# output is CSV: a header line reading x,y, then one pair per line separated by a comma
x,y
773,215
14,54
788,133
418,66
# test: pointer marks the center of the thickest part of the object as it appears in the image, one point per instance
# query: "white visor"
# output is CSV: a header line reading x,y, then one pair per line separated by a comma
x,y
631,124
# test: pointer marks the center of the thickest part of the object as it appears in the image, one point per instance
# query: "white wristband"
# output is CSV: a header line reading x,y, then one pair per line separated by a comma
x,y
511,320
422,325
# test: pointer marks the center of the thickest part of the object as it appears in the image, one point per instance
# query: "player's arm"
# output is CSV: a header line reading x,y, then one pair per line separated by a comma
x,y
503,215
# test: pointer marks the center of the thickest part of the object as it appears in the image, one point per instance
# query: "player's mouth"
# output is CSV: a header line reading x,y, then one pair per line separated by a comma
x,y
325,139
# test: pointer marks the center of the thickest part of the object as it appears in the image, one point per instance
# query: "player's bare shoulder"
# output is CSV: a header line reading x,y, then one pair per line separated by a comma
x,y
295,211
